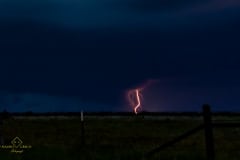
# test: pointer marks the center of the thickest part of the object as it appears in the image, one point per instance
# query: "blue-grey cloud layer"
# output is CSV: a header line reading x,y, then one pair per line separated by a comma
x,y
161,5
94,14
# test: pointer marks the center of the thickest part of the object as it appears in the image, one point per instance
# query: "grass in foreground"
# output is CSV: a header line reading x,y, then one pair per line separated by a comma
x,y
119,139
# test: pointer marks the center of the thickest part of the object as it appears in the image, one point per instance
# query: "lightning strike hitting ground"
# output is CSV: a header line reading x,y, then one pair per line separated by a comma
x,y
135,97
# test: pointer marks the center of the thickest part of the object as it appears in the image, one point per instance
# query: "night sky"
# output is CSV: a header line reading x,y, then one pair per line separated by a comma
x,y
69,55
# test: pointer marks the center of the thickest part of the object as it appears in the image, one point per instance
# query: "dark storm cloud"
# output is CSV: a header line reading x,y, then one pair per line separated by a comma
x,y
101,73
88,54
112,57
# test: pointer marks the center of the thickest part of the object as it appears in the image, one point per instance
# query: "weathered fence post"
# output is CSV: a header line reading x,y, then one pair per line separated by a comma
x,y
82,130
1,131
208,132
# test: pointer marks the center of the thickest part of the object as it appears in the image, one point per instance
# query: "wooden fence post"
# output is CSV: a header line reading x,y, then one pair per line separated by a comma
x,y
208,127
82,130
1,131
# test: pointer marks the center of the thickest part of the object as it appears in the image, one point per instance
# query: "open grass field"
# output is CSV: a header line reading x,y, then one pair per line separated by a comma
x,y
119,138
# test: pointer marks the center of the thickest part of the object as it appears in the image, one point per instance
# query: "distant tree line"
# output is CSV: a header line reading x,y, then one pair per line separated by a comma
x,y
6,114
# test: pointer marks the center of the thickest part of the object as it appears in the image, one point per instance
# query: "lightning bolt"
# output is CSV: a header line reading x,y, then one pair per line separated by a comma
x,y
134,96
138,101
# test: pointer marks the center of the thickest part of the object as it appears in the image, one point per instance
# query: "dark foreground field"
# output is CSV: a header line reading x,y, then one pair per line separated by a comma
x,y
115,138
